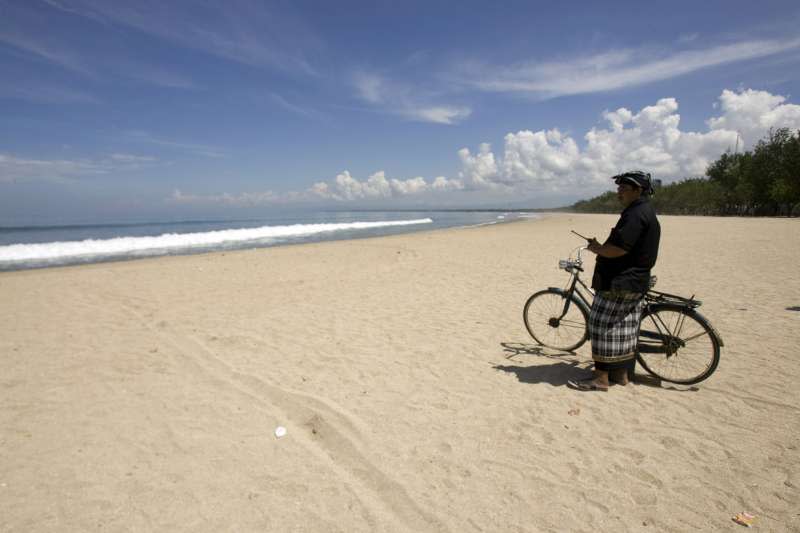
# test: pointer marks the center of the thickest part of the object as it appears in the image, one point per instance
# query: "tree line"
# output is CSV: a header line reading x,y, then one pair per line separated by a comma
x,y
764,181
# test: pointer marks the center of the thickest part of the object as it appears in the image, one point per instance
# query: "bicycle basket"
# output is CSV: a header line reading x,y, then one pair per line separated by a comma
x,y
569,264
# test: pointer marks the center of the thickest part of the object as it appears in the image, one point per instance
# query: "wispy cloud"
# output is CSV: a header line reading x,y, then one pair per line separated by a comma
x,y
400,99
44,94
15,169
94,56
193,148
614,69
294,108
244,31
156,75
43,49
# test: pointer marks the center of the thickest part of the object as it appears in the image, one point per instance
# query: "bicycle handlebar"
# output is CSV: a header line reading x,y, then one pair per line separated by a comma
x,y
579,249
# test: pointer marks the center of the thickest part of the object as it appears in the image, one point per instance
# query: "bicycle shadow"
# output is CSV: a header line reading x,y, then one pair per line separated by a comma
x,y
521,348
557,374
568,366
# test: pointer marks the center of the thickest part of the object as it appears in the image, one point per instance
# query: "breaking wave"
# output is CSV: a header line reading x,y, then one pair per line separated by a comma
x,y
91,250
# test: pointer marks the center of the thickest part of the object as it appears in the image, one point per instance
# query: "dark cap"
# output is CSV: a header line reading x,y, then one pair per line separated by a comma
x,y
637,178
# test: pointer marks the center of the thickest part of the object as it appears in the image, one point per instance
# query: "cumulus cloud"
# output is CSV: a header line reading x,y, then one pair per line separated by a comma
x,y
553,162
345,187
479,170
651,139
401,99
752,113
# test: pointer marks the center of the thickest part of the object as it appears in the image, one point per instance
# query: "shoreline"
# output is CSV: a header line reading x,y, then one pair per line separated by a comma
x,y
288,242
145,394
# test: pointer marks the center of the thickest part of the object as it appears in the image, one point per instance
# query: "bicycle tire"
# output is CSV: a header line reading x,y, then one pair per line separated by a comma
x,y
677,344
541,315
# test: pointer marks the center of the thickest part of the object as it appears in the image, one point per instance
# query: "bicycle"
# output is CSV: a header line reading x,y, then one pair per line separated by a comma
x,y
676,343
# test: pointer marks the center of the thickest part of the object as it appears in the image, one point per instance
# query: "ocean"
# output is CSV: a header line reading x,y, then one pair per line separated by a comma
x,y
26,247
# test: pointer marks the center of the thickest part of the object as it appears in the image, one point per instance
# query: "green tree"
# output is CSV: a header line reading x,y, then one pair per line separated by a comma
x,y
764,181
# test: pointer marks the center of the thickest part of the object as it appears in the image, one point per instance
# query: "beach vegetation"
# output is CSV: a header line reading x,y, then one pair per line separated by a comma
x,y
764,181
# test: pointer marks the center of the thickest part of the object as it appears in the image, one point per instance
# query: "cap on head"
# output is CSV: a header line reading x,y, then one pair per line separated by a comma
x,y
637,178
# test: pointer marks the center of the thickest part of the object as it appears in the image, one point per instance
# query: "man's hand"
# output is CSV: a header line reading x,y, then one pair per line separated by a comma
x,y
605,250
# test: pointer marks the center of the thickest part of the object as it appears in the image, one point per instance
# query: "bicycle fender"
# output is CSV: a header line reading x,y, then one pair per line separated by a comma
x,y
713,330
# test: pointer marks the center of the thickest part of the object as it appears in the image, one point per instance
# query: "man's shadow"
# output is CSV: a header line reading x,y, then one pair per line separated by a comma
x,y
565,366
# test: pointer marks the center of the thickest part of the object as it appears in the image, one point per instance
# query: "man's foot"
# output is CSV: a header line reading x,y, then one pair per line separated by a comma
x,y
619,377
587,385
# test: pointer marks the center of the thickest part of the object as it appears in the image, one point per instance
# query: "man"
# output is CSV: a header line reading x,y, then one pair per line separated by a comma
x,y
621,278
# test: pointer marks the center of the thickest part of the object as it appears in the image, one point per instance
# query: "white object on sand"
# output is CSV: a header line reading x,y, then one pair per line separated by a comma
x,y
280,431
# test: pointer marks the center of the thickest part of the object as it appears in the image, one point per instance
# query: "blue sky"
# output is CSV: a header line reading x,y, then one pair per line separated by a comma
x,y
124,110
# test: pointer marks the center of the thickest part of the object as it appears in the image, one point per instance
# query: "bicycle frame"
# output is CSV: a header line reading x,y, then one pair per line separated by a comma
x,y
670,340
574,268
670,327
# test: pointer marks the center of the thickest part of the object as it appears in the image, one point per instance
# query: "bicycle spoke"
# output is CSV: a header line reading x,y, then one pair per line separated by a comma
x,y
551,324
693,337
675,346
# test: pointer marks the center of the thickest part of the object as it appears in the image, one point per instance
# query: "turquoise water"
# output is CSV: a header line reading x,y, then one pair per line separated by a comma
x,y
25,247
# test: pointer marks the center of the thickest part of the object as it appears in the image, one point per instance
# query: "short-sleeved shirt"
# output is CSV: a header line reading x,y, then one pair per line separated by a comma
x,y
638,233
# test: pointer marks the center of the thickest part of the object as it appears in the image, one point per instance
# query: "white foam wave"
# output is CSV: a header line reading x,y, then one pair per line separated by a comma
x,y
54,251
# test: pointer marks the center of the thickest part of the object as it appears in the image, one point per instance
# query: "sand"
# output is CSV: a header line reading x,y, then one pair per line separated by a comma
x,y
144,395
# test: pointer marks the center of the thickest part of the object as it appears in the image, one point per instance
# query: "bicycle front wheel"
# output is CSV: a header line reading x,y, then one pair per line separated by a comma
x,y
556,321
677,344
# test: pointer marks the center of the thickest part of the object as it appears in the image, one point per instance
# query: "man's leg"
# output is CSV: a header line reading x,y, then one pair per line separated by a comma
x,y
601,378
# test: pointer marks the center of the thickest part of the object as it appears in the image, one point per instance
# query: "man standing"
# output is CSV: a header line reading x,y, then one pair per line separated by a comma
x,y
621,278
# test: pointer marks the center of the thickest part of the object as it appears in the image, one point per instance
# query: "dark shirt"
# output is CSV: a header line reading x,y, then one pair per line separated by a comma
x,y
638,233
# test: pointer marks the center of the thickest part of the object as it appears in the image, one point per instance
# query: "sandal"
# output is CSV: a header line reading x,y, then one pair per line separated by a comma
x,y
586,385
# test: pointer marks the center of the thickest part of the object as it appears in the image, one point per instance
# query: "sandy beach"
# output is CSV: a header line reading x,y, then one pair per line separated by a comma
x,y
144,395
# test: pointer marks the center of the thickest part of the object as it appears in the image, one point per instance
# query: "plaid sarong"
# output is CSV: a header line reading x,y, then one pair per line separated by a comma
x,y
614,325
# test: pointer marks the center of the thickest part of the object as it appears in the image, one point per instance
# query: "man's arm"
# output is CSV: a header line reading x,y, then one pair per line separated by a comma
x,y
606,250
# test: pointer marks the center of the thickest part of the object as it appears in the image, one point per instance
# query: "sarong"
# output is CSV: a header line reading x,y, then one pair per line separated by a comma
x,y
614,329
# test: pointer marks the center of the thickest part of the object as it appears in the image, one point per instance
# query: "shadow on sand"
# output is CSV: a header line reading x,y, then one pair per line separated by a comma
x,y
567,366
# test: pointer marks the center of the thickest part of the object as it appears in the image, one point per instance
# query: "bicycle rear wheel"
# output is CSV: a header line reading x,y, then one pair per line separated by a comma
x,y
677,344
551,325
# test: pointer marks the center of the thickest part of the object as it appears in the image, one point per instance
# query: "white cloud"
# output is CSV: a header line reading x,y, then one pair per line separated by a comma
x,y
480,170
16,169
544,156
193,148
39,47
247,199
443,184
42,93
752,113
132,159
369,87
294,108
548,160
438,114
26,30
615,69
410,186
400,99
345,187
551,162
244,31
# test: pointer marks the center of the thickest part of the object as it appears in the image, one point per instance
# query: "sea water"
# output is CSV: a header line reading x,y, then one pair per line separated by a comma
x,y
24,247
